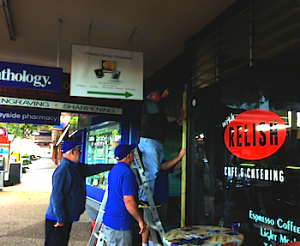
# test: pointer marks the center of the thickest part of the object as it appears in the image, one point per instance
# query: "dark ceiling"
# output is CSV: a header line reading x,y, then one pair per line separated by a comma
x,y
161,28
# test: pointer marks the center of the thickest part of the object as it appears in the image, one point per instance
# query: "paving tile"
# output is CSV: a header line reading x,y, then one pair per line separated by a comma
x,y
23,206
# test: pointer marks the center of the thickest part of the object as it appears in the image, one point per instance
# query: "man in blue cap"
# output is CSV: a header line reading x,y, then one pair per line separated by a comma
x,y
121,207
67,200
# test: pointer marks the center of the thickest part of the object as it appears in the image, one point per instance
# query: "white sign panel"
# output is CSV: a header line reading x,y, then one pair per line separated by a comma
x,y
43,139
59,105
106,73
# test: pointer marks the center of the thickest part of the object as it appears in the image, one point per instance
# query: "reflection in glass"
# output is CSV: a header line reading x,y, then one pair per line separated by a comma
x,y
101,144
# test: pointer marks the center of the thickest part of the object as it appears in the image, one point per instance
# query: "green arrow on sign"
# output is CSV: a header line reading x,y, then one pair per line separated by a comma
x,y
126,94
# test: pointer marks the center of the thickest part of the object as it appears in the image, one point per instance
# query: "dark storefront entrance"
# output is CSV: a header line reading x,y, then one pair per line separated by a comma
x,y
250,165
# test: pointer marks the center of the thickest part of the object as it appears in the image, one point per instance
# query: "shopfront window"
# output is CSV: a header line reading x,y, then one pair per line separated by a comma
x,y
247,141
101,143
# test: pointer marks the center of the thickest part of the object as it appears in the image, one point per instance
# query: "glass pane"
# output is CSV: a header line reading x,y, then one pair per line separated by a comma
x,y
238,184
276,28
234,44
204,63
101,144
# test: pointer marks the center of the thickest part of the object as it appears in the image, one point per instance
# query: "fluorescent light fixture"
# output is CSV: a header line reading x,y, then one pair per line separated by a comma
x,y
293,167
10,137
266,127
247,165
290,119
62,135
298,119
73,133
8,19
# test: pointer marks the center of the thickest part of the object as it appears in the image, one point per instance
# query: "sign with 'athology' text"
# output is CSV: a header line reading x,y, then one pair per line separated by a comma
x,y
255,134
30,77
106,73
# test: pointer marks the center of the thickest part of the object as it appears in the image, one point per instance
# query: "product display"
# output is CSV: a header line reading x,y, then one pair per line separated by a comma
x,y
108,66
203,235
116,74
101,144
99,73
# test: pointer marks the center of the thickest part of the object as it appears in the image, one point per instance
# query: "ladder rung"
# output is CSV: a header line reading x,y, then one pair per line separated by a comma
x,y
153,227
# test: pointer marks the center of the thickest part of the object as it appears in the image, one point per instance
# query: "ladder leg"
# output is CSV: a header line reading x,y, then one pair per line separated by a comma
x,y
101,239
149,221
151,212
97,231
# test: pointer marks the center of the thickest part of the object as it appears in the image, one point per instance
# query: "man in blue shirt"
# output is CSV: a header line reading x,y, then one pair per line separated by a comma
x,y
68,196
121,207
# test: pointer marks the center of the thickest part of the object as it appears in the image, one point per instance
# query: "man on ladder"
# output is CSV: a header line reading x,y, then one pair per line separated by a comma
x,y
154,128
121,206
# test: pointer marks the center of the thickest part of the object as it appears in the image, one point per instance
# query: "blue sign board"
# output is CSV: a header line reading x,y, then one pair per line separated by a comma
x,y
39,117
59,127
3,151
30,77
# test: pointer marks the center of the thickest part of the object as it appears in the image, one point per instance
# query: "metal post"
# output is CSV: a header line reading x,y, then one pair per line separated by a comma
x,y
183,174
217,71
89,33
130,37
58,43
1,180
251,36
8,20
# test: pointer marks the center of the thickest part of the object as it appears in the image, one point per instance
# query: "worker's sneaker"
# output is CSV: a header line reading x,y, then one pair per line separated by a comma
x,y
145,204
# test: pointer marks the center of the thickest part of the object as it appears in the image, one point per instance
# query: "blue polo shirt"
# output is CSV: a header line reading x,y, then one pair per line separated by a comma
x,y
161,191
121,182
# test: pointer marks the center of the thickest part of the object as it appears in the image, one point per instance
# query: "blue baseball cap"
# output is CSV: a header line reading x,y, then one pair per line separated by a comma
x,y
122,150
69,144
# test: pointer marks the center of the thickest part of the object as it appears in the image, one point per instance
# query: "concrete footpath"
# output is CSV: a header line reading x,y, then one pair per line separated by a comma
x,y
23,206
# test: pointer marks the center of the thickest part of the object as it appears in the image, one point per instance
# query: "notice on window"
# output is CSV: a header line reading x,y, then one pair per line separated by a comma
x,y
106,73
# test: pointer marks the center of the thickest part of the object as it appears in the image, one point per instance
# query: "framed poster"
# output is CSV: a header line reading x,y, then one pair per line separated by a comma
x,y
106,73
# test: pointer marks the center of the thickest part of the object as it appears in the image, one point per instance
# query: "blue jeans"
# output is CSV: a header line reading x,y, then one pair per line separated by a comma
x,y
117,238
152,156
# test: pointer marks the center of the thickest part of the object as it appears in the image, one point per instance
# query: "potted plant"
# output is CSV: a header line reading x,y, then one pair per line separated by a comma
x,y
25,163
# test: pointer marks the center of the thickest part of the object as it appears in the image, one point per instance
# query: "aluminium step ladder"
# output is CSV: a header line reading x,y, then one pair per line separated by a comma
x,y
151,213
97,234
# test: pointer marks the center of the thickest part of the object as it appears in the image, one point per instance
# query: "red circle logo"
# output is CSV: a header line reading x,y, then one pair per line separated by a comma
x,y
255,134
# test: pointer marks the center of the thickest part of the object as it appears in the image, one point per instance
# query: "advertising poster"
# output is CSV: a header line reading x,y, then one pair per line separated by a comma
x,y
106,73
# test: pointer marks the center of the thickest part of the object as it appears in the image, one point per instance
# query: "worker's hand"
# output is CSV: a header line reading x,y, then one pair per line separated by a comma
x,y
142,226
182,152
165,93
59,224
182,112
